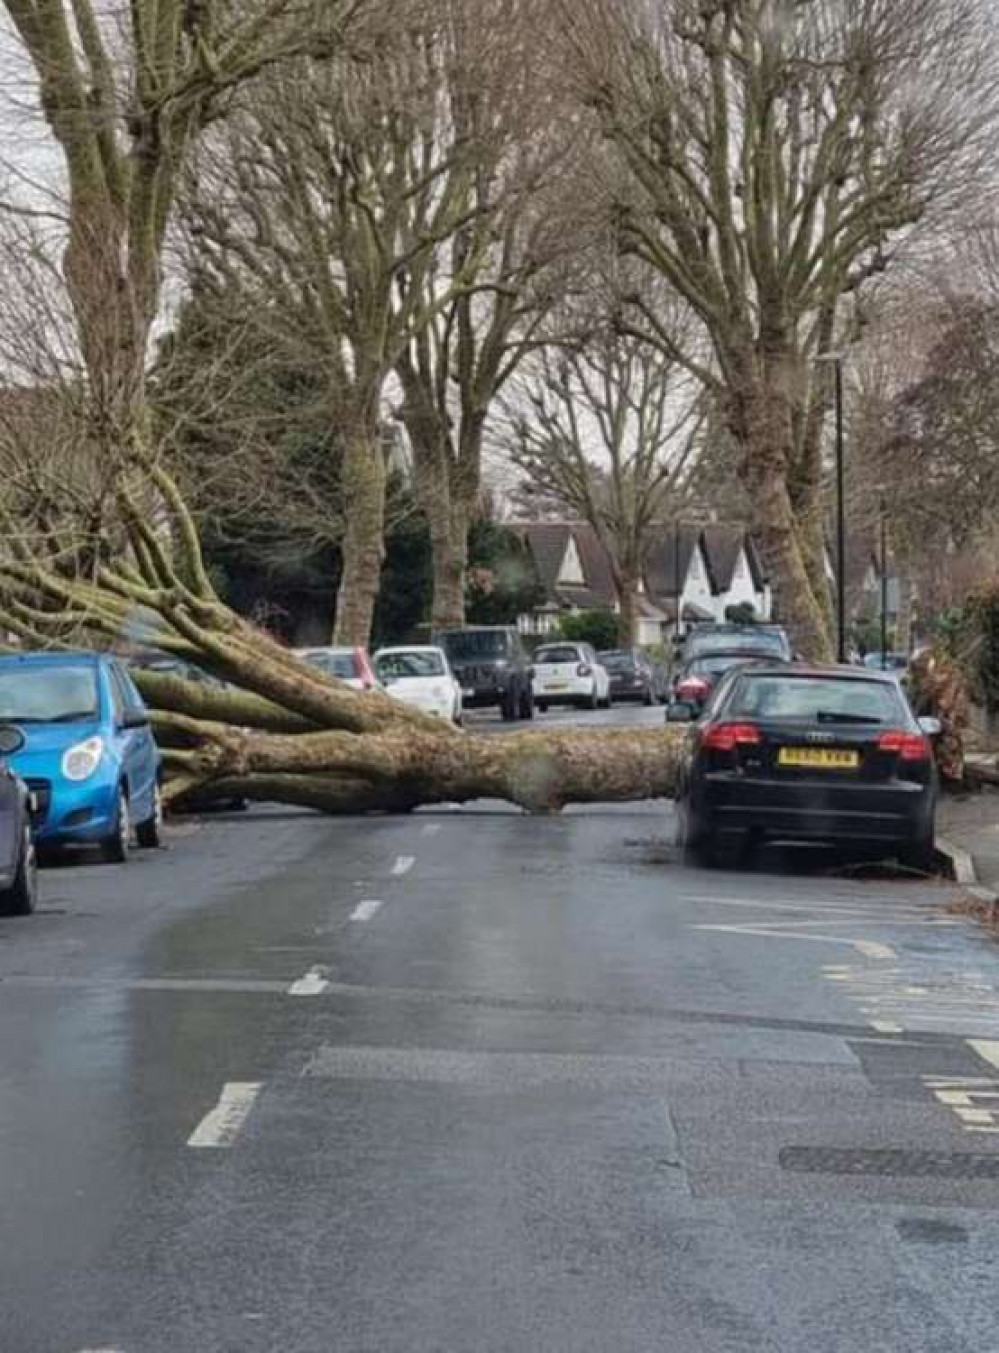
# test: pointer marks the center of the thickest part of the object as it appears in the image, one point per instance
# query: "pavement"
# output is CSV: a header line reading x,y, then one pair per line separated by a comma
x,y
472,1080
970,824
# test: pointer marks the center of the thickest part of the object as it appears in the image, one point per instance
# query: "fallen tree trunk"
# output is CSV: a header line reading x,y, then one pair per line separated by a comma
x,y
278,729
397,771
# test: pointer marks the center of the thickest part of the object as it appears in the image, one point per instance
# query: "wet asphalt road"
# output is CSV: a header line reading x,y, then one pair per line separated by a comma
x,y
473,1081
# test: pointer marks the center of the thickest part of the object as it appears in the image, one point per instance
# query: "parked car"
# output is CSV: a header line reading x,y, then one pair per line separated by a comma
x,y
887,662
492,667
767,641
695,681
570,674
809,754
352,666
420,677
89,757
18,866
633,676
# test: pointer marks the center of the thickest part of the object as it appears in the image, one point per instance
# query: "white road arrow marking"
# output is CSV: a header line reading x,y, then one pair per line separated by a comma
x,y
221,1127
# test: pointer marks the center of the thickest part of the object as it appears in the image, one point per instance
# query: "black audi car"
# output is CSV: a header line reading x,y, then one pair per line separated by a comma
x,y
809,754
18,871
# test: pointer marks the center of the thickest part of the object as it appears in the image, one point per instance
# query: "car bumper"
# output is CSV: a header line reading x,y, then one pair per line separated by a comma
x,y
629,692
566,692
813,810
76,812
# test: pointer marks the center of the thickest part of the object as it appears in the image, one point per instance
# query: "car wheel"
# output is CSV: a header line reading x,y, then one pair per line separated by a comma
x,y
650,698
149,834
508,707
527,705
21,898
118,843
541,707
694,837
608,701
592,703
918,855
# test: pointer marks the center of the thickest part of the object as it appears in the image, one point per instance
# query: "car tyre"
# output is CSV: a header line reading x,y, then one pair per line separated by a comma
x,y
149,834
694,837
918,855
592,703
508,706
21,898
541,706
650,698
527,705
116,846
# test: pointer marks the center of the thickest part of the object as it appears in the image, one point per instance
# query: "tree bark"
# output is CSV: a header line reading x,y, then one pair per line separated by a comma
x,y
762,422
363,550
449,523
626,583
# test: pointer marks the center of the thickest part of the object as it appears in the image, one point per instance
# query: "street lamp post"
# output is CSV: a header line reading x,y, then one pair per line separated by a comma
x,y
677,586
837,361
883,506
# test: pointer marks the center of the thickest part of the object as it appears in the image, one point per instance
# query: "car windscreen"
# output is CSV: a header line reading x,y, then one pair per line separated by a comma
x,y
814,700
399,666
38,694
617,662
340,665
465,644
770,642
565,653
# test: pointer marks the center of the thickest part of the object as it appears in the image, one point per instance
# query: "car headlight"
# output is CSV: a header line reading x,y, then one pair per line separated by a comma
x,y
80,762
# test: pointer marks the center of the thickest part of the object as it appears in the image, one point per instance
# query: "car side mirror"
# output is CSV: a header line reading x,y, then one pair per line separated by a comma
x,y
931,727
681,712
134,719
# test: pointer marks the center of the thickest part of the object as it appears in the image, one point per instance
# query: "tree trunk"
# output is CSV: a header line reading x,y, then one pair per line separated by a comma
x,y
449,547
363,549
626,582
762,421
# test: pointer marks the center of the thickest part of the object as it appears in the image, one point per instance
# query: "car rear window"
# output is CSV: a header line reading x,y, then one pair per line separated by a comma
x,y
565,653
716,667
617,662
814,700
342,665
771,642
464,644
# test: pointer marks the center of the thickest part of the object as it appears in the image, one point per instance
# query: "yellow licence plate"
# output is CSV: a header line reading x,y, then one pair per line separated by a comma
x,y
819,758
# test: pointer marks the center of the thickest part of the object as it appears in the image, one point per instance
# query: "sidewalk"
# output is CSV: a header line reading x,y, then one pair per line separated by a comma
x,y
972,824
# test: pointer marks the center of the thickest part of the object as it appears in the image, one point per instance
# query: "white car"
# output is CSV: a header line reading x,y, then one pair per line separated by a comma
x,y
570,674
421,677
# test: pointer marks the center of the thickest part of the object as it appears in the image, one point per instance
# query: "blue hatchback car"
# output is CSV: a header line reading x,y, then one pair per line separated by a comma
x,y
89,757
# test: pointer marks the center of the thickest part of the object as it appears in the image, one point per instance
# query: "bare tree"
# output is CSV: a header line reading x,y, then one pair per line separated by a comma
x,y
610,428
324,206
772,157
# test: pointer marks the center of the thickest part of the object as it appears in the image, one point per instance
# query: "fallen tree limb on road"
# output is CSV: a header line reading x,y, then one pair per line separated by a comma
x,y
281,730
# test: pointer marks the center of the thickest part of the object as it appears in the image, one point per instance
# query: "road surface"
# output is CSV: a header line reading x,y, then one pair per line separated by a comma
x,y
475,1081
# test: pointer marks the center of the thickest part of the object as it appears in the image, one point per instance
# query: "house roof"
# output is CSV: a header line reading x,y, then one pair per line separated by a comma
x,y
548,543
671,548
723,546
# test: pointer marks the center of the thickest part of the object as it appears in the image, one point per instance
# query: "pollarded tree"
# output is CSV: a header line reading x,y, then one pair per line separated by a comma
x,y
772,156
608,427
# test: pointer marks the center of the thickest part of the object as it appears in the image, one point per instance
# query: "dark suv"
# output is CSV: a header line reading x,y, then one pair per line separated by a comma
x,y
491,665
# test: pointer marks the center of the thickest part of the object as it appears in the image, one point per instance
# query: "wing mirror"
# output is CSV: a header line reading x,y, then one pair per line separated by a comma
x,y
11,740
681,712
931,727
134,718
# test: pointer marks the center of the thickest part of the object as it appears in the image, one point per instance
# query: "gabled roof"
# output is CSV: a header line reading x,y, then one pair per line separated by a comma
x,y
723,546
670,549
548,543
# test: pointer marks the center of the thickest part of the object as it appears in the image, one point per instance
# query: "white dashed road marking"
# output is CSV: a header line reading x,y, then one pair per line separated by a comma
x,y
886,1026
987,1049
364,911
871,950
314,983
222,1125
403,864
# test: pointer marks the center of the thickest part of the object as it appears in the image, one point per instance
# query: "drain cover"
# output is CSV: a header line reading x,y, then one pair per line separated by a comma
x,y
911,1164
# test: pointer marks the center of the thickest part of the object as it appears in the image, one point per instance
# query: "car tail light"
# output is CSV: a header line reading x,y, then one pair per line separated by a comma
x,y
725,737
583,669
694,687
906,746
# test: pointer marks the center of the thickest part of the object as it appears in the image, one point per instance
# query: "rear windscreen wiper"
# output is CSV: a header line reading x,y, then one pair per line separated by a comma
x,y
831,716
